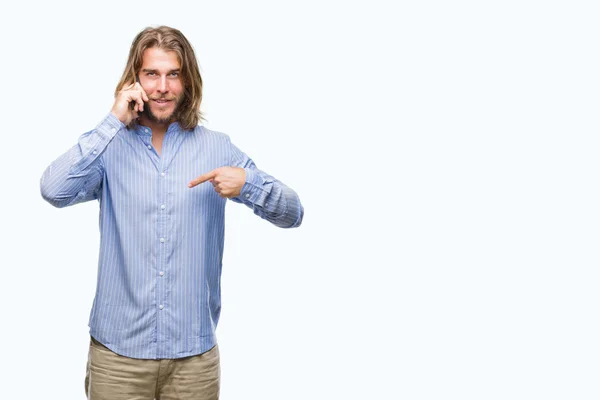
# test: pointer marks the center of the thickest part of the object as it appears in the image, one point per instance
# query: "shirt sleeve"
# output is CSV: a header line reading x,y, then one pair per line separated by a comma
x,y
76,176
269,198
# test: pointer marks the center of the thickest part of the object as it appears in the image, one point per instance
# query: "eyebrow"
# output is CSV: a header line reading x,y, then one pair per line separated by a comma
x,y
155,70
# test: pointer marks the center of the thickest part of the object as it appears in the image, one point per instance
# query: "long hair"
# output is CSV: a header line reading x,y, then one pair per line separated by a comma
x,y
169,39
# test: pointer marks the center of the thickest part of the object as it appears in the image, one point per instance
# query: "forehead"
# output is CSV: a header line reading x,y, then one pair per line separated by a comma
x,y
155,58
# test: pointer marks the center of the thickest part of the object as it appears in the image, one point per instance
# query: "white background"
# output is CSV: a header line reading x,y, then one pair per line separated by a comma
x,y
446,157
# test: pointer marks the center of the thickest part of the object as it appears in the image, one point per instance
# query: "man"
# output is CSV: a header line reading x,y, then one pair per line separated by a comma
x,y
157,302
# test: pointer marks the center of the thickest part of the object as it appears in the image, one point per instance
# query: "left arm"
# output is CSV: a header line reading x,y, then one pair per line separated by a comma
x,y
244,183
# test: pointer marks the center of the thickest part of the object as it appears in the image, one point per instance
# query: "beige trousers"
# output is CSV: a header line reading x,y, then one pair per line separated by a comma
x,y
110,376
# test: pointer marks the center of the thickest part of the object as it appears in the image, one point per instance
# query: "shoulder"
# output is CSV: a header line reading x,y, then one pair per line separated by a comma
x,y
211,135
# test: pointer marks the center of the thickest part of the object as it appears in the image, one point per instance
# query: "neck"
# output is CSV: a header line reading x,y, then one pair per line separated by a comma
x,y
158,128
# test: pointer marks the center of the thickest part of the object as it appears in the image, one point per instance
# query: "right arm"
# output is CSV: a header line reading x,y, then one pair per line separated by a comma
x,y
76,176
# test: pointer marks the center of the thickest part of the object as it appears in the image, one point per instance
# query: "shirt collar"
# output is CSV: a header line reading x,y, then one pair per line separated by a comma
x,y
141,130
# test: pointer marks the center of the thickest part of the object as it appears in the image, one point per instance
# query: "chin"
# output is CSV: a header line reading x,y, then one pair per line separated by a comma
x,y
161,118
163,111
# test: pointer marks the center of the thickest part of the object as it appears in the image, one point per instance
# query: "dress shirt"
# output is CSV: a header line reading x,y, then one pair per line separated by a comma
x,y
158,291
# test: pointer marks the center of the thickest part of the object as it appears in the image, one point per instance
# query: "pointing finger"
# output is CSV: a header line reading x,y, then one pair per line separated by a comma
x,y
203,178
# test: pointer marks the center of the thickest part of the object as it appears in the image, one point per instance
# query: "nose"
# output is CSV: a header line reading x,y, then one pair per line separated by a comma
x,y
163,86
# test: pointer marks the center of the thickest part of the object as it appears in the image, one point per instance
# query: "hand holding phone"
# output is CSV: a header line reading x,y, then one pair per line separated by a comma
x,y
129,102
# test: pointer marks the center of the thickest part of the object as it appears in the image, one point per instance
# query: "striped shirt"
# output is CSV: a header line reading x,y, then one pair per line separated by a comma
x,y
161,243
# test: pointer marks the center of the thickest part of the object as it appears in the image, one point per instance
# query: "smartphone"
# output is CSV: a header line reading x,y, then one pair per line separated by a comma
x,y
132,104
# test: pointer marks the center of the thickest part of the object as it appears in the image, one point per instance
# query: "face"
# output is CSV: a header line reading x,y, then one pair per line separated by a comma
x,y
161,79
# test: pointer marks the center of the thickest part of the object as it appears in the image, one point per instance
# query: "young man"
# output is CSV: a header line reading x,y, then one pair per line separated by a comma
x,y
158,300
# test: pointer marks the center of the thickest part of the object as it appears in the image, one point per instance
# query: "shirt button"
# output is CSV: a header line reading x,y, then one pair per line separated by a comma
x,y
161,306
247,195
162,206
162,174
266,204
162,240
113,130
95,152
161,273
149,147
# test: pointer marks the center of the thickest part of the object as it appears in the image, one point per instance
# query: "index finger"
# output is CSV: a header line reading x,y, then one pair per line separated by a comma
x,y
203,178
139,86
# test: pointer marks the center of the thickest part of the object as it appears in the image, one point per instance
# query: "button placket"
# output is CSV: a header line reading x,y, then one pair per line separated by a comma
x,y
163,235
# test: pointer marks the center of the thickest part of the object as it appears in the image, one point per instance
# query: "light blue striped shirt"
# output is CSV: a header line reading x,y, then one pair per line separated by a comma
x,y
161,243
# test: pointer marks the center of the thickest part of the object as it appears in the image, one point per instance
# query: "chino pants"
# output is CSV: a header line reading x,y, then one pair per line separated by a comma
x,y
110,376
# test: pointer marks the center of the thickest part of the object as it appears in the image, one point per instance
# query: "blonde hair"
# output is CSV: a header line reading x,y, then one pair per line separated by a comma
x,y
188,114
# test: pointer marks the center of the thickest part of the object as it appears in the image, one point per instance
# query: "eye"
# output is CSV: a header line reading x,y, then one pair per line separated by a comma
x,y
150,73
174,74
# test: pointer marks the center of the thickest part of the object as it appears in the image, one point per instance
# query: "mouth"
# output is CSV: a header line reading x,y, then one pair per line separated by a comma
x,y
161,101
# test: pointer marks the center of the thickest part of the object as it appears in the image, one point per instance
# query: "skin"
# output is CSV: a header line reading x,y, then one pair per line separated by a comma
x,y
156,97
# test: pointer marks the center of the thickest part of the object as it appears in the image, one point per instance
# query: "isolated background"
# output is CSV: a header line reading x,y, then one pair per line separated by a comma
x,y
446,157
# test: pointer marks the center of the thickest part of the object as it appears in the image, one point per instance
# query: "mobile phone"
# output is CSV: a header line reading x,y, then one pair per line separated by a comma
x,y
132,104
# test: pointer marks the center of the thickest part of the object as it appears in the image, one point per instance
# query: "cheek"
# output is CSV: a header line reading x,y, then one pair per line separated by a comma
x,y
147,85
178,89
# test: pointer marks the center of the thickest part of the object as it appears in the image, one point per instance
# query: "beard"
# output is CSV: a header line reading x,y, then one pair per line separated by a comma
x,y
164,119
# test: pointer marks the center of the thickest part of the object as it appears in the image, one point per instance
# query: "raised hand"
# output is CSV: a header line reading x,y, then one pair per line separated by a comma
x,y
129,102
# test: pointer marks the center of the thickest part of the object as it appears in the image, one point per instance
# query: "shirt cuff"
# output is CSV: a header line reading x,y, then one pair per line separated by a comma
x,y
110,125
253,191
